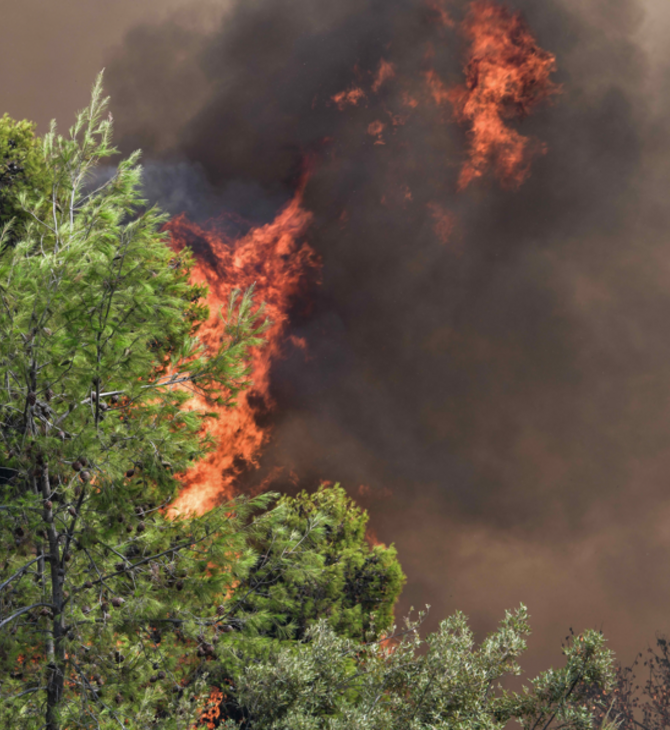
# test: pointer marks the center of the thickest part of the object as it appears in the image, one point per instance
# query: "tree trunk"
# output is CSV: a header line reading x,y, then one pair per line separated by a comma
x,y
55,649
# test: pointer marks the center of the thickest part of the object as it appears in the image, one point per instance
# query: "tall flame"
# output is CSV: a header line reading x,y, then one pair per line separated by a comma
x,y
281,264
506,75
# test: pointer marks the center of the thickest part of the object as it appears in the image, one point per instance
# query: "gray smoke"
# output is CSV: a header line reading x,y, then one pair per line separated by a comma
x,y
503,396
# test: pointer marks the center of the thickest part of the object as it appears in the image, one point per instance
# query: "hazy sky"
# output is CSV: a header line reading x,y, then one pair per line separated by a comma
x,y
504,398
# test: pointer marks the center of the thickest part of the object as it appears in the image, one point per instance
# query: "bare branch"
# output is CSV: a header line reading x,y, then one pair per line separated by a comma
x,y
21,571
21,611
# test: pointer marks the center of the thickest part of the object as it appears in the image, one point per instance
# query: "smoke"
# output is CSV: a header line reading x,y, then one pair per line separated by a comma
x,y
491,364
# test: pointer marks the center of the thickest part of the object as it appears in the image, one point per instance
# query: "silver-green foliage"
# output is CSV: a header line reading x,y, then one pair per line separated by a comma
x,y
445,682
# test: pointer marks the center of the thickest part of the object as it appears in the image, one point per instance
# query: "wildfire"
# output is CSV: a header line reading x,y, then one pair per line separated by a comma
x,y
507,74
281,264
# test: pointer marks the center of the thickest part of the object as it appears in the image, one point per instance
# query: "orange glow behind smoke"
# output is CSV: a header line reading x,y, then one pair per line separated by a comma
x,y
351,97
443,221
385,72
507,74
441,14
279,262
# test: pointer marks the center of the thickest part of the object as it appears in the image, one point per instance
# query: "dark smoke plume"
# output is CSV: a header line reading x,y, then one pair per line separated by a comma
x,y
491,365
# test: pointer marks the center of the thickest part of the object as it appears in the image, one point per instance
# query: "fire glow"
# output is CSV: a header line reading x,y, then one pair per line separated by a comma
x,y
276,259
506,75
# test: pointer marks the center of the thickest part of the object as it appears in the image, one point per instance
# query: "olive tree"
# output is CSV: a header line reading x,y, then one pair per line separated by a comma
x,y
403,682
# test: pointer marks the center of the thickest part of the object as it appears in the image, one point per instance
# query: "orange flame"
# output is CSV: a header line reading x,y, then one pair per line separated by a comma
x,y
507,74
281,264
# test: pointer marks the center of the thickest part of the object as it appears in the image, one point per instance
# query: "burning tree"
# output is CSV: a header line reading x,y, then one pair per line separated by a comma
x,y
99,356
115,612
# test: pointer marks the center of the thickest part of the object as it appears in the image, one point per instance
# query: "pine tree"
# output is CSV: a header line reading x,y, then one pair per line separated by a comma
x,y
313,563
316,563
107,607
22,169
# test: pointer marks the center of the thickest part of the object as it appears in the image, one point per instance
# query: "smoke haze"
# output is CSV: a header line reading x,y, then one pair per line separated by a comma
x,y
487,370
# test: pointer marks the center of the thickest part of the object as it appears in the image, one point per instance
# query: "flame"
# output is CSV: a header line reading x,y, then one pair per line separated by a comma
x,y
507,74
211,714
281,264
